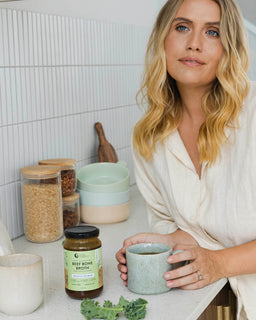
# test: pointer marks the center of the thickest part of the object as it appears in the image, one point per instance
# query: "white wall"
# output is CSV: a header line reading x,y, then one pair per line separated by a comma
x,y
63,66
137,12
248,8
251,29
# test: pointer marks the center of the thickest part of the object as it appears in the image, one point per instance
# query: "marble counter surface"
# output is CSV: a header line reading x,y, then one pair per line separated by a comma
x,y
176,304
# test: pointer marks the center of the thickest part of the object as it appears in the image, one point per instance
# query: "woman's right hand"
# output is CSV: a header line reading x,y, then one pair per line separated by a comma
x,y
138,238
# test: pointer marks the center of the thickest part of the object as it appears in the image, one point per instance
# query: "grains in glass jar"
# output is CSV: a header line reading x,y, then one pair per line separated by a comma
x,y
42,205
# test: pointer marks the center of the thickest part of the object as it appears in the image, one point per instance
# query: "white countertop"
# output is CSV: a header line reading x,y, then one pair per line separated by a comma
x,y
176,304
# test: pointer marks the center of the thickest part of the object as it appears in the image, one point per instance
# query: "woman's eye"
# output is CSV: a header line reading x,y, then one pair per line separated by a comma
x,y
181,28
213,33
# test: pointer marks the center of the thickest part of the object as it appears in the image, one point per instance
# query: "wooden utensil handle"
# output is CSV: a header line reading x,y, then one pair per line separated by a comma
x,y
100,132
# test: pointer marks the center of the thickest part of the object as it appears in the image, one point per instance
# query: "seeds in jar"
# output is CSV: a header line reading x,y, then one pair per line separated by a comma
x,y
42,212
68,182
70,217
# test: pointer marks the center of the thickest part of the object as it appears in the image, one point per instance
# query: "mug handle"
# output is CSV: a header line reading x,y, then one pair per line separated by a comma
x,y
176,251
179,264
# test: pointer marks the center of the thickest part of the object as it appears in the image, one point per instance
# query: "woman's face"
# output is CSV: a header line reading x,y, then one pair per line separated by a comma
x,y
193,47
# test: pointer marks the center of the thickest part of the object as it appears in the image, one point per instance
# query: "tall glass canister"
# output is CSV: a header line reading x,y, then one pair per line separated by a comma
x,y
42,203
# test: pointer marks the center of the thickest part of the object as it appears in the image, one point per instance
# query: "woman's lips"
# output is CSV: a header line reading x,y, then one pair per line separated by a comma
x,y
191,62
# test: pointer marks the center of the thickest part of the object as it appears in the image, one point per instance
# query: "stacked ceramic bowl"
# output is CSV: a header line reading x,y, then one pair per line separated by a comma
x,y
104,189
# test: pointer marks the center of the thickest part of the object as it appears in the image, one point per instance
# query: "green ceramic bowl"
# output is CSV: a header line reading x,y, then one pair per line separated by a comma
x,y
104,177
99,199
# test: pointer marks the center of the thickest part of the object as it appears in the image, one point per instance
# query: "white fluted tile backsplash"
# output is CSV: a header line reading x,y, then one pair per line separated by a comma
x,y
58,76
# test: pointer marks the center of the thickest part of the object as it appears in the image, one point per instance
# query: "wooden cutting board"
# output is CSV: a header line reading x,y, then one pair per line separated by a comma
x,y
106,152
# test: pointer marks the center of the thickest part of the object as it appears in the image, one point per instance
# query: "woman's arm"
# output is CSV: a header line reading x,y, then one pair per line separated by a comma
x,y
239,259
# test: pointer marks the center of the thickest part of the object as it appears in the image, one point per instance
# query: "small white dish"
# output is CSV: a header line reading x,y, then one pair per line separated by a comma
x,y
21,279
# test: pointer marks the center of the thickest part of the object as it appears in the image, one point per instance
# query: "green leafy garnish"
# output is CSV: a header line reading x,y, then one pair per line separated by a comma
x,y
133,310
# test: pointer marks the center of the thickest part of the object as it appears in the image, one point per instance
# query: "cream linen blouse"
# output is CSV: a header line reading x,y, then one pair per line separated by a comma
x,y
218,210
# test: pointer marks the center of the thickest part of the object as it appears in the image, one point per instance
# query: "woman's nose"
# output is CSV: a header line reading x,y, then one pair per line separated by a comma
x,y
194,42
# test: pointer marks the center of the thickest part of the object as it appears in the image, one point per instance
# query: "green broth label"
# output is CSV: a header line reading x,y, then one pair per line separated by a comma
x,y
83,270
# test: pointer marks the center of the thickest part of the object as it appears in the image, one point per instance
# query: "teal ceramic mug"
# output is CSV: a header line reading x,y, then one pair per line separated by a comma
x,y
146,264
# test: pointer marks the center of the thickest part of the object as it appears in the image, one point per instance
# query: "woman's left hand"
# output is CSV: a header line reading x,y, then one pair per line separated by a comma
x,y
204,267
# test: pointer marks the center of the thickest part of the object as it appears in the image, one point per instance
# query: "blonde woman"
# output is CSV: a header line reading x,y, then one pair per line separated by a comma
x,y
195,148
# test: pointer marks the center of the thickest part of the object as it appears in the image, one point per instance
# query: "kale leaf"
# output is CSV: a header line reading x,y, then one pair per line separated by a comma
x,y
136,309
133,310
92,310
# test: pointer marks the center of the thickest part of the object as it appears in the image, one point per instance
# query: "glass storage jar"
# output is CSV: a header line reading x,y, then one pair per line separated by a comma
x,y
71,210
42,204
83,262
68,174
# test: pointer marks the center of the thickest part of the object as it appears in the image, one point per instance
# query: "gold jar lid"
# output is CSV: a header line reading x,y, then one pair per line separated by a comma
x,y
40,172
73,197
64,163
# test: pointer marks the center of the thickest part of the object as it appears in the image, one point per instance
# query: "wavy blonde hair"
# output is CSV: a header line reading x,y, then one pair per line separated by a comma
x,y
221,104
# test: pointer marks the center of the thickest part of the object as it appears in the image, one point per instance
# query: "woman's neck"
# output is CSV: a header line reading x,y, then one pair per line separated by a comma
x,y
191,102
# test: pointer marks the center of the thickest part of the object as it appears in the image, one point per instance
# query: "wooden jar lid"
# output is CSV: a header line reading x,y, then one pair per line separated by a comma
x,y
40,172
58,162
71,198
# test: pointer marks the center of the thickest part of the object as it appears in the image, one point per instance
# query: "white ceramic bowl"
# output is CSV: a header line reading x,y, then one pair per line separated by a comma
x,y
103,215
97,199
